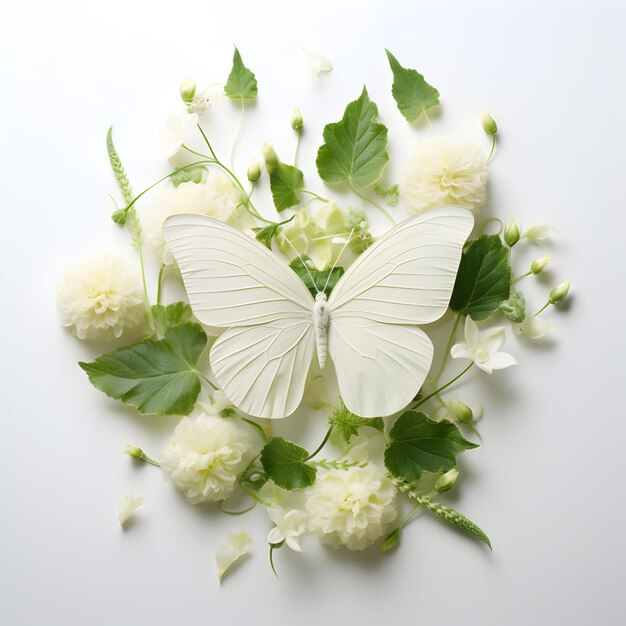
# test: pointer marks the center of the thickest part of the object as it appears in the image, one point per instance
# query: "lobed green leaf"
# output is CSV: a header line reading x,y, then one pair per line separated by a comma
x,y
241,81
285,463
285,183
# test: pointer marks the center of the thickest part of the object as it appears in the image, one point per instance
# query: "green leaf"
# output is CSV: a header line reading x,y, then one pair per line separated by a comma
x,y
454,517
285,183
166,317
484,278
241,81
418,444
355,149
347,424
412,93
158,377
515,307
284,462
322,281
266,234
391,195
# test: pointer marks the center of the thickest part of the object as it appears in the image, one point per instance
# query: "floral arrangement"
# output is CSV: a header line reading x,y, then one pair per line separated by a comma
x,y
347,492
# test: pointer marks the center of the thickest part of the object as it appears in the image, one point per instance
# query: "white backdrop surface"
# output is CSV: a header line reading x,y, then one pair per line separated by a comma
x,y
547,484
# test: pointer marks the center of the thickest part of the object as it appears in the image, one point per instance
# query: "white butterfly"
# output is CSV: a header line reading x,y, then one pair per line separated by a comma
x,y
273,324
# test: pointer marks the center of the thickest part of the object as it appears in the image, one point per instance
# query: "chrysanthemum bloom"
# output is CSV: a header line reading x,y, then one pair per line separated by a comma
x,y
204,457
442,172
101,296
217,197
351,507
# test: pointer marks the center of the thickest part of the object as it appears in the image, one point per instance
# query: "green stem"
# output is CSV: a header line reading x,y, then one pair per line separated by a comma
x,y
160,283
438,391
139,245
236,139
206,380
223,510
257,427
487,222
522,276
295,155
374,204
204,156
272,548
448,346
543,308
315,195
410,515
324,441
493,147
249,206
253,494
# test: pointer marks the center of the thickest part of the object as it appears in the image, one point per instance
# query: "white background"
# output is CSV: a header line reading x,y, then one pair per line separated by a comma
x,y
548,482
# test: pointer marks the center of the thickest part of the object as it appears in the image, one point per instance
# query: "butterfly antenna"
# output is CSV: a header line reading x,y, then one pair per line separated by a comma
x,y
345,245
306,267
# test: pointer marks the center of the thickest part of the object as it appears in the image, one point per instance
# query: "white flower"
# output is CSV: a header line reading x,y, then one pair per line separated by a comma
x,y
483,348
128,505
538,231
204,457
207,98
289,527
235,547
532,327
351,507
101,296
217,197
443,171
316,63
175,132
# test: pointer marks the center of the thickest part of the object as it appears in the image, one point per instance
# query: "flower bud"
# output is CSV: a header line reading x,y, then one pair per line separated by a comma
x,y
488,123
269,156
254,170
511,233
461,411
187,89
446,481
296,119
559,293
134,451
538,265
390,540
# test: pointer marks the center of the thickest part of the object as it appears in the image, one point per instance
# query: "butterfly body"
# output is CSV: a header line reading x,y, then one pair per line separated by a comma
x,y
368,326
321,319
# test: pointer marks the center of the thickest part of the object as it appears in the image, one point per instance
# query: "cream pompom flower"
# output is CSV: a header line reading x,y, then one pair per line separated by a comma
x,y
351,507
204,457
443,171
101,296
216,197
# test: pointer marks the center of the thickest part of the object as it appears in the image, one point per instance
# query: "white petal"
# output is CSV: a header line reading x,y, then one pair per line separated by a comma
x,y
461,351
317,63
128,505
276,535
485,367
175,132
493,339
500,360
538,232
472,334
293,543
235,547
535,327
